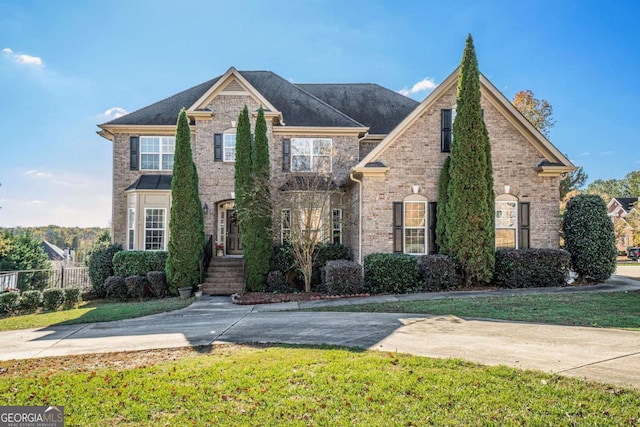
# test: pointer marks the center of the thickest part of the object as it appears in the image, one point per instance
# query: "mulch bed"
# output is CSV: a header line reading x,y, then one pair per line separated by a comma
x,y
252,298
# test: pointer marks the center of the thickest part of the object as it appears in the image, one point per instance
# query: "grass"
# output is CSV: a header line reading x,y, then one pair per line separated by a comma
x,y
606,310
273,386
98,311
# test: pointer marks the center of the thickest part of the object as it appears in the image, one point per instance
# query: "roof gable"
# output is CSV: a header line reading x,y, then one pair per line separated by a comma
x,y
555,163
231,83
624,203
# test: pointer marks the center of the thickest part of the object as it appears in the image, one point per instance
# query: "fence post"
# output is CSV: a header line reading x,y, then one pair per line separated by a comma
x,y
62,277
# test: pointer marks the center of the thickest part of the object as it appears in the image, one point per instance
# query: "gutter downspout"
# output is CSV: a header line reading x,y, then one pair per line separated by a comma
x,y
359,216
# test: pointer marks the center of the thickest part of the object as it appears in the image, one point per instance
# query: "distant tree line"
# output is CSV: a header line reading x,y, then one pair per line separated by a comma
x,y
76,238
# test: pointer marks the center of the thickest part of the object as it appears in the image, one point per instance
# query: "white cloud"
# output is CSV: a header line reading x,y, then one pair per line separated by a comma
x,y
113,113
35,198
585,153
425,85
606,153
21,58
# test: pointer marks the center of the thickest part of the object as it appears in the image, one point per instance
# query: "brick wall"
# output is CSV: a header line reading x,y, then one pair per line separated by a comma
x,y
415,159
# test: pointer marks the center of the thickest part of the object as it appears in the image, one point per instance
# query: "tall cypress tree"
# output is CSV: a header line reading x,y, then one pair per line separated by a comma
x,y
470,205
441,224
260,209
186,237
244,186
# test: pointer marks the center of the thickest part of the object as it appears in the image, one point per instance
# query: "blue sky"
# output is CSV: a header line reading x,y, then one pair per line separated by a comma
x,y
68,65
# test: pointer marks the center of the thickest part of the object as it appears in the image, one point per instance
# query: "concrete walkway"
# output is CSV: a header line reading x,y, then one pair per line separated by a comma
x,y
607,355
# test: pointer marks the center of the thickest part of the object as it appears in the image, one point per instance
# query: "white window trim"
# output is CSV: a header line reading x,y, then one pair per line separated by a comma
x,y
159,153
312,167
224,146
336,227
164,229
508,198
131,227
425,228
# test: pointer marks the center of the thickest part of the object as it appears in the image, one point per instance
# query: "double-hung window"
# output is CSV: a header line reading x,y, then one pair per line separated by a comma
x,y
154,229
311,154
415,227
506,224
310,224
336,226
156,152
229,147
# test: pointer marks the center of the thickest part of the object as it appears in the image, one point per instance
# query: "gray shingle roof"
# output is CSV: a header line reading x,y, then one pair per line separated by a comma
x,y
324,105
165,112
151,182
54,253
374,106
626,202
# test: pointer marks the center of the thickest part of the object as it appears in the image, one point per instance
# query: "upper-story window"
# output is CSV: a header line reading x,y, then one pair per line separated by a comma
x,y
229,147
156,152
311,154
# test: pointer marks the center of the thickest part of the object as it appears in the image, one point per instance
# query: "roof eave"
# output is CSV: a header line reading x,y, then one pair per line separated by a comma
x,y
320,131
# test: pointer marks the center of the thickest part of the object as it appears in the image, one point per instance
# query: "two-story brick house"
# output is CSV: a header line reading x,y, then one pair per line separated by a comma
x,y
391,150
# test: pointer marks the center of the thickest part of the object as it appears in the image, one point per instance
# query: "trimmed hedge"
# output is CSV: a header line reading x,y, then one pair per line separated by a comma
x,y
136,286
72,296
138,263
589,237
30,300
341,277
101,267
438,273
531,268
9,302
390,273
115,288
52,298
157,283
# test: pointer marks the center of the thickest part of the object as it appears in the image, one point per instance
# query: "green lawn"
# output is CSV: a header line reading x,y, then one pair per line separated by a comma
x,y
274,386
99,311
606,310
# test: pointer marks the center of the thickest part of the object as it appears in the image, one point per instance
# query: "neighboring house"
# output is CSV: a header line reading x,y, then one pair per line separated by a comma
x,y
621,210
57,257
390,151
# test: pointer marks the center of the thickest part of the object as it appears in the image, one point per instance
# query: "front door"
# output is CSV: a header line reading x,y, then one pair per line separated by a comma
x,y
234,245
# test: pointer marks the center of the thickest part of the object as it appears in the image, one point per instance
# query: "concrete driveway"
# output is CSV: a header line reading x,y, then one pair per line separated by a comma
x,y
606,355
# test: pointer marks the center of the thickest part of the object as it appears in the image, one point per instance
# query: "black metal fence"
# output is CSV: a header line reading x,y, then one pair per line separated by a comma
x,y
64,277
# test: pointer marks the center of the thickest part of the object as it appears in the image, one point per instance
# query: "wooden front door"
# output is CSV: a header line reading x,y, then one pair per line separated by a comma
x,y
234,245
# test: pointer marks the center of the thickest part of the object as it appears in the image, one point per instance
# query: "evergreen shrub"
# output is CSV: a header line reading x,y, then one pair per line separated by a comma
x,y
52,298
341,277
157,283
390,273
438,273
131,263
136,286
115,288
72,296
101,267
9,302
531,268
589,237
30,301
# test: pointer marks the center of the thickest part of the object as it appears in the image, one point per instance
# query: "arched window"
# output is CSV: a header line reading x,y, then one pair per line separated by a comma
x,y
506,222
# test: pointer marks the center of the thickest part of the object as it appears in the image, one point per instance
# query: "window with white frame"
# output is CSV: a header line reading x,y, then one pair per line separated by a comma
x,y
156,152
336,226
229,147
131,229
154,229
415,227
311,154
285,227
506,223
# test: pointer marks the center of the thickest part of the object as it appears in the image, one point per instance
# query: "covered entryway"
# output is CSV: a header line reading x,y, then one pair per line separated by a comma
x,y
228,229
